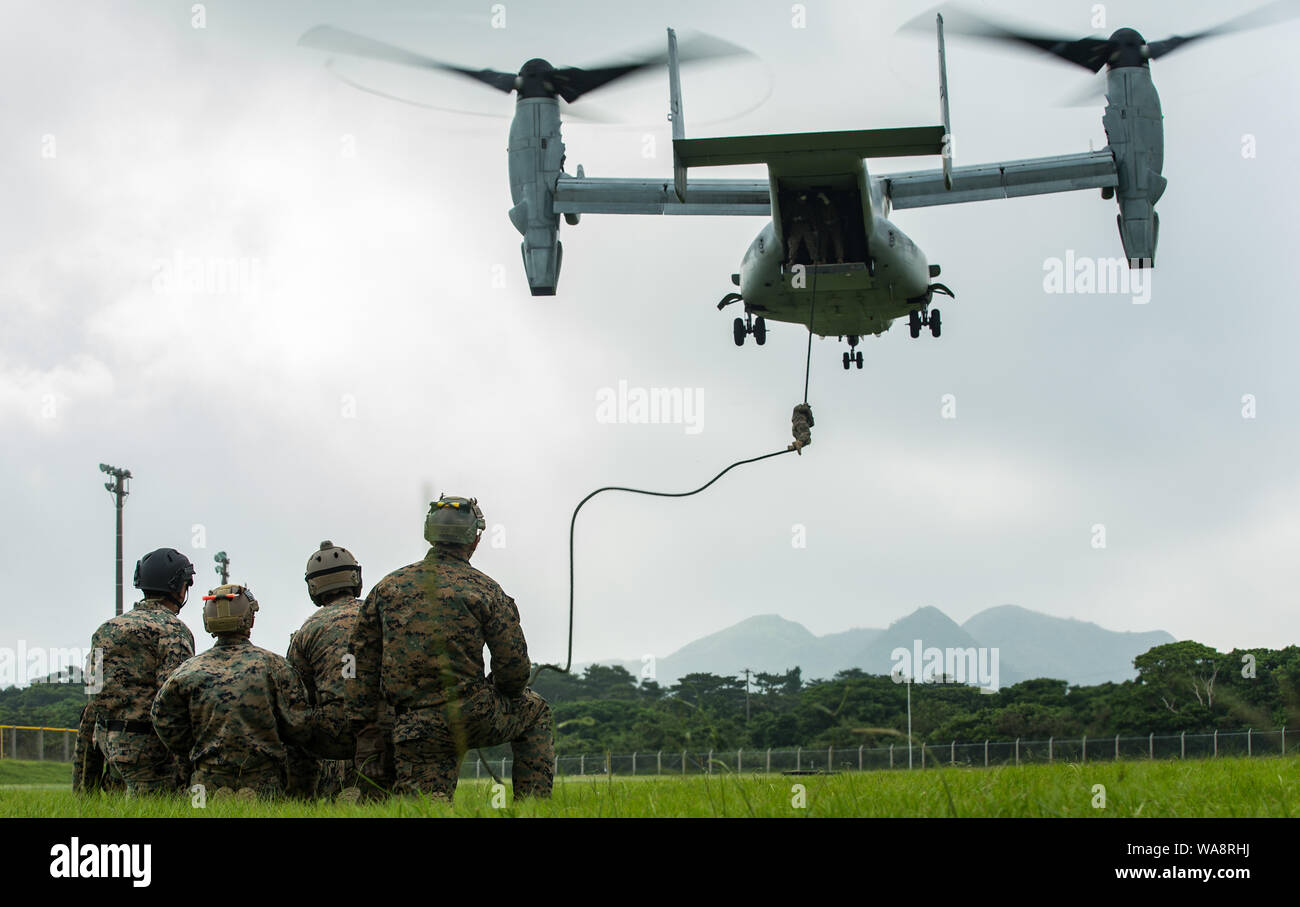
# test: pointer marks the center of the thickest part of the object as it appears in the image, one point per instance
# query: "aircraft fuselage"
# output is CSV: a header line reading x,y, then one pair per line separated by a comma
x,y
793,273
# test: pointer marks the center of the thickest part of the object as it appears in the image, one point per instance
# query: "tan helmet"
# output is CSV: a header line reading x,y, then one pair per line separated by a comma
x,y
453,520
228,609
332,569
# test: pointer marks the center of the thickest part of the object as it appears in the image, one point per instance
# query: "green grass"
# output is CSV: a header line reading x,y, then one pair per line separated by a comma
x,y
15,772
1229,787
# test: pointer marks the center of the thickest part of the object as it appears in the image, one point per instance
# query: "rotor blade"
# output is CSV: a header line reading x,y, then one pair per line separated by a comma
x,y
1090,53
573,82
1089,94
1269,14
336,40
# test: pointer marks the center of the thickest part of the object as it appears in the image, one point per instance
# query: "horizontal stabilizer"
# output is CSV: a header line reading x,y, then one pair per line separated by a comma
x,y
796,148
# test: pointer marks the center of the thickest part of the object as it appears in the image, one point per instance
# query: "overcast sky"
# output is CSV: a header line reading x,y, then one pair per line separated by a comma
x,y
364,360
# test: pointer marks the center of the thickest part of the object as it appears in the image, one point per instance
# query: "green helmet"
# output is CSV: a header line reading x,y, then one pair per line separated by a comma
x,y
453,520
332,569
228,609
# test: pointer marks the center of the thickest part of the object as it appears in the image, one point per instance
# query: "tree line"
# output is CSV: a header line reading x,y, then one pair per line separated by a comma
x,y
1182,686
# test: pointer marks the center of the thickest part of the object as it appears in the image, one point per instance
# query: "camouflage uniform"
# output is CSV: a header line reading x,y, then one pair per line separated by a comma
x,y
318,652
89,771
419,645
800,423
231,711
140,649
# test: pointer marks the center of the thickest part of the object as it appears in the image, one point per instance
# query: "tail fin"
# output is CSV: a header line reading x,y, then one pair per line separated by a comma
x,y
943,107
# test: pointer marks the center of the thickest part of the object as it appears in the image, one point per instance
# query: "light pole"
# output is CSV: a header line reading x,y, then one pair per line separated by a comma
x,y
117,487
747,673
909,715
223,566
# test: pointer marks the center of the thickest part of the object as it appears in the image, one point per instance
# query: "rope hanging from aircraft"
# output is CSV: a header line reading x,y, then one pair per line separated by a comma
x,y
801,422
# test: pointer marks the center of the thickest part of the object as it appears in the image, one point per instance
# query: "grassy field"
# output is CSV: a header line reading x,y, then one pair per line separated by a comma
x,y
1259,787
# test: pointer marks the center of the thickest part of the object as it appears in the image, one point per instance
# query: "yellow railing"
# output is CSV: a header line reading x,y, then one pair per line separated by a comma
x,y
23,727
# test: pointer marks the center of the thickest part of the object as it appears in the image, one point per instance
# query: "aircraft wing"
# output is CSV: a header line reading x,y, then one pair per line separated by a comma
x,y
1009,179
594,195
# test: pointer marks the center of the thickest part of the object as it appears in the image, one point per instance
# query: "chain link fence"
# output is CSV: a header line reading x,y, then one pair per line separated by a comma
x,y
56,745
898,756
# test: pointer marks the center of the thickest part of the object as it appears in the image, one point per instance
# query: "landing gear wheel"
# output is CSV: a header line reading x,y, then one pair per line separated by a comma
x,y
846,360
738,331
914,323
760,330
934,323
858,358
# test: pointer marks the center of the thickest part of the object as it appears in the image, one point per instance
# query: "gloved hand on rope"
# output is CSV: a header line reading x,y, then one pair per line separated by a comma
x,y
800,423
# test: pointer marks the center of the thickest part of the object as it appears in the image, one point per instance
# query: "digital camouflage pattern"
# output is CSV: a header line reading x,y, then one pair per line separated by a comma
x,y
89,770
801,420
431,765
419,647
140,650
233,710
320,651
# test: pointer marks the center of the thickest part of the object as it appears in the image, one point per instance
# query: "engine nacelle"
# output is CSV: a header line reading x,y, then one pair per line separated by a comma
x,y
536,160
1135,133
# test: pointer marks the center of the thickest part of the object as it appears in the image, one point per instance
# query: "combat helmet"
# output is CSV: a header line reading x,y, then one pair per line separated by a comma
x,y
229,609
165,572
331,569
453,520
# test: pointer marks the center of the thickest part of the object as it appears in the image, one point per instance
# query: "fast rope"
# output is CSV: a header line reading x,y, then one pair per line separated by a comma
x,y
573,521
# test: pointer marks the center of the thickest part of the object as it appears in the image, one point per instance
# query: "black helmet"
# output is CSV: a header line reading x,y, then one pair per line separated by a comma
x,y
165,571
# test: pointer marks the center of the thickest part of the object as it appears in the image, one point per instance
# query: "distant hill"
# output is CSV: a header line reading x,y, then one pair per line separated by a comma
x,y
1029,644
1045,646
933,628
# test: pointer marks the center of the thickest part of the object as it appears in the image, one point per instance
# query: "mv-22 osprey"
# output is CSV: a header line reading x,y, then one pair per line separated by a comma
x,y
830,260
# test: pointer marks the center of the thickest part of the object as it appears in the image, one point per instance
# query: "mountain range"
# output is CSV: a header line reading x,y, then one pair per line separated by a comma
x,y
1029,644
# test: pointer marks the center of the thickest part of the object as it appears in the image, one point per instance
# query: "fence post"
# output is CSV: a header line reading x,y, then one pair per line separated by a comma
x,y
683,762
1182,745
1284,740
609,764
1151,745
740,760
860,756
634,762
1216,741
659,762
986,752
1117,746
1017,751
922,755
891,755
830,757
582,764
1084,757
1049,747
556,772
952,753
40,744
65,747
1249,751
478,766
710,766
798,758
769,760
